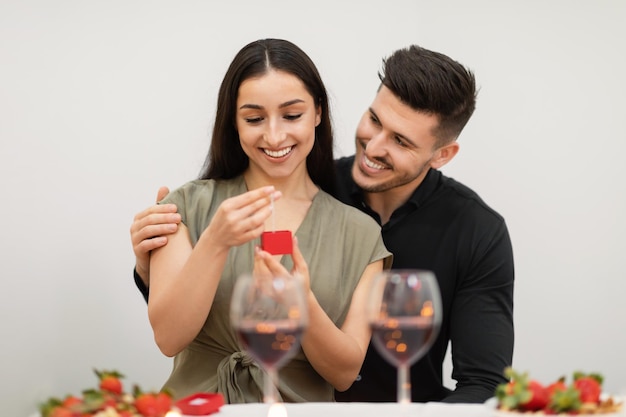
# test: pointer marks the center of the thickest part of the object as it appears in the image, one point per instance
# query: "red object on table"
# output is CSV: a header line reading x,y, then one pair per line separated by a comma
x,y
200,404
278,242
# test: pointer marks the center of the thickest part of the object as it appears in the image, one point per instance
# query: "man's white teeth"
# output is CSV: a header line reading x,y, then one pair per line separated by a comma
x,y
279,153
373,164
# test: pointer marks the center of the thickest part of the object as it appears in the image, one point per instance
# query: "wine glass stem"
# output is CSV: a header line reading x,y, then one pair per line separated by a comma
x,y
269,390
404,385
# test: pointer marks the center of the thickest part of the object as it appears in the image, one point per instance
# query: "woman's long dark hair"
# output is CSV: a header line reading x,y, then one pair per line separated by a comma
x,y
226,158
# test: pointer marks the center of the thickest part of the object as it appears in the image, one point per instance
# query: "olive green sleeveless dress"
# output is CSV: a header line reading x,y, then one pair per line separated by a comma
x,y
337,241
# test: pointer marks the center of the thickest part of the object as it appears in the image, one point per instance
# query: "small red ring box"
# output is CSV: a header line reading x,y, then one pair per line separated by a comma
x,y
200,404
278,242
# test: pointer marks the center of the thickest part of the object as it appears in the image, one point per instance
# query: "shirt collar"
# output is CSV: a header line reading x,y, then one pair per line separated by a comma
x,y
419,196
426,188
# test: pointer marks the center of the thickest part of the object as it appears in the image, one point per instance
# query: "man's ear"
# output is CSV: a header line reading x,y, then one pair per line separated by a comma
x,y
444,155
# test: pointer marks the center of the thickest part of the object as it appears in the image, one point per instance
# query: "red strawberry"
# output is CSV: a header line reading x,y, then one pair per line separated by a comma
x,y
589,386
521,393
556,386
153,404
164,402
110,381
538,398
70,401
111,384
146,405
61,412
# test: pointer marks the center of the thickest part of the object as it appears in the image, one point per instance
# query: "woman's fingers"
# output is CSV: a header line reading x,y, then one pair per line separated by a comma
x,y
242,218
300,267
251,201
267,264
299,263
260,266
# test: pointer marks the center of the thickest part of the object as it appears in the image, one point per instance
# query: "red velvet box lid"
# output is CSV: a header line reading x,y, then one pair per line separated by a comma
x,y
200,404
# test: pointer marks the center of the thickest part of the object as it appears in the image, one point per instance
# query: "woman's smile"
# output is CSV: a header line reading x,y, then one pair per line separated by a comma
x,y
278,153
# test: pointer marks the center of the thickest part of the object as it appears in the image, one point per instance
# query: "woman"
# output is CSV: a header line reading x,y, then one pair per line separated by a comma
x,y
272,140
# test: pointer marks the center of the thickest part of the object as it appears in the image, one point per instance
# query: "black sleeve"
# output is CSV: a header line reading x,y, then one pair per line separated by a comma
x,y
483,311
145,291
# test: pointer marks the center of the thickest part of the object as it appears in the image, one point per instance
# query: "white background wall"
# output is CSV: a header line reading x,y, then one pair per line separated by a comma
x,y
101,102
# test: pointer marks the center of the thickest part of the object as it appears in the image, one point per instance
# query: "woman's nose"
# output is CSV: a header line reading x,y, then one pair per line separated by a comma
x,y
274,136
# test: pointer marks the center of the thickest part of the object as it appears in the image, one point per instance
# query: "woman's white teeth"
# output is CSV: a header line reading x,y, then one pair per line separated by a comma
x,y
373,164
279,153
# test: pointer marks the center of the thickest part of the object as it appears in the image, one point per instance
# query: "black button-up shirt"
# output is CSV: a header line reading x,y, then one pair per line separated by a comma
x,y
447,228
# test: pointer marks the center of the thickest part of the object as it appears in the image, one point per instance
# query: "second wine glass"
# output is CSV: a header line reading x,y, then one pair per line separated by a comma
x,y
269,314
404,313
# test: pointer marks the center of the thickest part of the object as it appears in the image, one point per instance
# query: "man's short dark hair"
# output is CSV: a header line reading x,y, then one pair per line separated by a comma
x,y
432,83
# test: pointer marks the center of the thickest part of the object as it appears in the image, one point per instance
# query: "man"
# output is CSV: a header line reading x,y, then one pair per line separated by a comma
x,y
429,221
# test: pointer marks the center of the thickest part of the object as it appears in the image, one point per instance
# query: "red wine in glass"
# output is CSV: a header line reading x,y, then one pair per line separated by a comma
x,y
403,340
270,343
269,314
404,312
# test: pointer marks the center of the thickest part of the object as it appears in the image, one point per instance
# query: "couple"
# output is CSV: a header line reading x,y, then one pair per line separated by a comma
x,y
272,136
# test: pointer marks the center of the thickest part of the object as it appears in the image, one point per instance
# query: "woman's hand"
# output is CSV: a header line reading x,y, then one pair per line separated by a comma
x,y
265,264
241,219
300,267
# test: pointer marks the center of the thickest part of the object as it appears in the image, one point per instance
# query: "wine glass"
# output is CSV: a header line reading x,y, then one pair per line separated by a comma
x,y
269,314
404,312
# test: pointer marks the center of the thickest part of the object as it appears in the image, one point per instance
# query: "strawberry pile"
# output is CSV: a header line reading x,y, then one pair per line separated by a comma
x,y
109,400
581,396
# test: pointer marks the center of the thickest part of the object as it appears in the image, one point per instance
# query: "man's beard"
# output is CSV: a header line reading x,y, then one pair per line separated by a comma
x,y
391,183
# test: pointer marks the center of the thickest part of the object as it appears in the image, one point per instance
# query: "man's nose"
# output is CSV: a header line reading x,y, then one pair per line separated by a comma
x,y
376,145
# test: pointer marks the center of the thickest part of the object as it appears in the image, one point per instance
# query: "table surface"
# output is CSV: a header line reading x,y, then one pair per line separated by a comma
x,y
356,409
370,410
313,409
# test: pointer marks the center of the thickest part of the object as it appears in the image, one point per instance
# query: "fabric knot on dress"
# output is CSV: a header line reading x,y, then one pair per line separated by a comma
x,y
243,358
240,379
